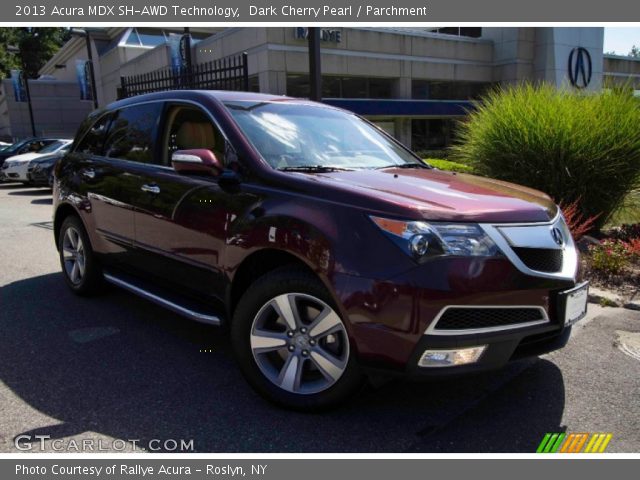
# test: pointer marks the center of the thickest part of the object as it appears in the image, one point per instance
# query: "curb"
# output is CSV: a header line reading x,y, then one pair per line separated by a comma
x,y
612,301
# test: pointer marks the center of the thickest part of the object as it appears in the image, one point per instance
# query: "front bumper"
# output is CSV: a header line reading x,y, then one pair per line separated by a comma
x,y
393,321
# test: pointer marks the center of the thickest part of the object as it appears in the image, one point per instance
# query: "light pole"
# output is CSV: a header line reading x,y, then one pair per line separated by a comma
x,y
16,50
80,32
315,72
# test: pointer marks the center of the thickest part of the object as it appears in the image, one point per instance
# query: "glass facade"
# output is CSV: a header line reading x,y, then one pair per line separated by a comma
x,y
431,134
342,87
448,90
152,37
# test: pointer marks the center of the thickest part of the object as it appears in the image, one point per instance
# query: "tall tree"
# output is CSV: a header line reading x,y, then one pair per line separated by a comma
x,y
37,46
635,52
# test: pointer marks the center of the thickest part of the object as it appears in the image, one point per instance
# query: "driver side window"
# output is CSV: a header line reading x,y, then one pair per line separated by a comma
x,y
190,128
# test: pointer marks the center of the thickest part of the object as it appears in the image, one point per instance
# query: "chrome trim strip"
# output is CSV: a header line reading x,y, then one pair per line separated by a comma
x,y
174,307
432,330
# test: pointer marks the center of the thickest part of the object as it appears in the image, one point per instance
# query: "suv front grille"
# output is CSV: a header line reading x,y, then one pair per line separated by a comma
x,y
540,259
457,318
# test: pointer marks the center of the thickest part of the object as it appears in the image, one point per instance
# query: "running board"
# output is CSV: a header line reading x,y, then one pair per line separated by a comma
x,y
170,304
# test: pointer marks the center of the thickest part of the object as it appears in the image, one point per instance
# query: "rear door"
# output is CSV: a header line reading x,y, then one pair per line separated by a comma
x,y
111,159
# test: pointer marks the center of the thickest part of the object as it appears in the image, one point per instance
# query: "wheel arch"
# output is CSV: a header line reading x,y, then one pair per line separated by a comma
x,y
258,264
63,211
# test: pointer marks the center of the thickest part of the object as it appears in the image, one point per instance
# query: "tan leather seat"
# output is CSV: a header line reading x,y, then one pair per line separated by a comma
x,y
195,135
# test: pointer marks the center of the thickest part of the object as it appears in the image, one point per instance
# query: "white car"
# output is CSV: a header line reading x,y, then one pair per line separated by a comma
x,y
15,168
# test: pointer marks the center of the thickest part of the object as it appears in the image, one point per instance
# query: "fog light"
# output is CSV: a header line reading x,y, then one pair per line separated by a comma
x,y
451,358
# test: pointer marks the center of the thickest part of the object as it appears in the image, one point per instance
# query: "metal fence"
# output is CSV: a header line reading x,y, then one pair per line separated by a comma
x,y
229,73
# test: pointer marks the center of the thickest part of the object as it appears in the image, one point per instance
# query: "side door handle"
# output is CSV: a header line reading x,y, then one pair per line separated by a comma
x,y
155,189
89,173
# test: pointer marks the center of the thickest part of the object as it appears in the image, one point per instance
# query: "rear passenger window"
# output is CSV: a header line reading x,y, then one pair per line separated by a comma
x,y
93,141
132,133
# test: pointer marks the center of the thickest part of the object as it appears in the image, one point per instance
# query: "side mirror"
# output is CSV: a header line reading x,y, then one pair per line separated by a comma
x,y
198,160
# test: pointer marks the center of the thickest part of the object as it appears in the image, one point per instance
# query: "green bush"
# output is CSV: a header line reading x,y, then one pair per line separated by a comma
x,y
449,165
611,257
574,147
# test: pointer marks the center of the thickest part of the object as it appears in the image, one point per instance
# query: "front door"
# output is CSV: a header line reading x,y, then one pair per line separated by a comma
x,y
182,219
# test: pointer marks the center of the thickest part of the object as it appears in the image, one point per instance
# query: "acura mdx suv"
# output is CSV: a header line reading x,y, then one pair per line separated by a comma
x,y
329,250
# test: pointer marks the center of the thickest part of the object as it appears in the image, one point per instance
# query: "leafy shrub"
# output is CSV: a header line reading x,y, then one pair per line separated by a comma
x,y
449,165
611,257
576,222
571,146
625,232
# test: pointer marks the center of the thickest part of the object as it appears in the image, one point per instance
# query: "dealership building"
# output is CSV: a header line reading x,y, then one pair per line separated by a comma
x,y
413,82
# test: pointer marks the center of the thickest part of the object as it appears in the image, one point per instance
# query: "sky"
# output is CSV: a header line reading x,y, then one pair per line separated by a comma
x,y
621,39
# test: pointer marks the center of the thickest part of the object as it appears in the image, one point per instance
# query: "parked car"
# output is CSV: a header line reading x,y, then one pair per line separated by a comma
x,y
40,170
24,146
330,250
16,168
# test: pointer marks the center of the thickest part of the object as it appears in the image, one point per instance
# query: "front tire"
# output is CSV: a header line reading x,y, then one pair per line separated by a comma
x,y
291,344
80,268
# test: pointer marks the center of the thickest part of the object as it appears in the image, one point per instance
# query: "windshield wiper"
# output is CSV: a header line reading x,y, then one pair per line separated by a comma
x,y
314,168
407,165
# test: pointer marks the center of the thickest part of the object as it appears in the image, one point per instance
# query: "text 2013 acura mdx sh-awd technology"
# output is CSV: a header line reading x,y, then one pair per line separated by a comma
x,y
328,248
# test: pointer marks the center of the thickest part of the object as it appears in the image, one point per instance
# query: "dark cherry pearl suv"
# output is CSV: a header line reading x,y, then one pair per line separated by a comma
x,y
329,249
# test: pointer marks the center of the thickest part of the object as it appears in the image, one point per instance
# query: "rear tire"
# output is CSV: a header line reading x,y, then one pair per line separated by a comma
x,y
80,268
291,344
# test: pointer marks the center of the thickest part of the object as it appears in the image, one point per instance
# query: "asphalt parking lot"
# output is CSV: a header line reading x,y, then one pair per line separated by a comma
x,y
116,367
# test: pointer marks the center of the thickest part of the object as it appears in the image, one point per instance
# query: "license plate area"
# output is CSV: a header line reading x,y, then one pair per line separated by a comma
x,y
573,304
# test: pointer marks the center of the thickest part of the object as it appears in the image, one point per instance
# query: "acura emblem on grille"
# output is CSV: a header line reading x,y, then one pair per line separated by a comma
x,y
557,236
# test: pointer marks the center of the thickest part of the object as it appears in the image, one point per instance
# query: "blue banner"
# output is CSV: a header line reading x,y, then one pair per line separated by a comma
x,y
19,90
83,73
179,48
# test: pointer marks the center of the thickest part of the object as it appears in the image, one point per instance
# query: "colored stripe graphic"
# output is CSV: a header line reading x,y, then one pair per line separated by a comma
x,y
581,442
574,443
606,441
543,443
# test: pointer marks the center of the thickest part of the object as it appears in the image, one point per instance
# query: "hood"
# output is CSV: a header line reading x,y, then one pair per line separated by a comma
x,y
25,157
433,194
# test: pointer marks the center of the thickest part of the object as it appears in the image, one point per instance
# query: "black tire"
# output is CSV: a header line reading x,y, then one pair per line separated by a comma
x,y
288,281
92,280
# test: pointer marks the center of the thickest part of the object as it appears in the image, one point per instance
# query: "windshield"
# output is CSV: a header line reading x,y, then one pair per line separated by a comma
x,y
293,136
16,146
52,147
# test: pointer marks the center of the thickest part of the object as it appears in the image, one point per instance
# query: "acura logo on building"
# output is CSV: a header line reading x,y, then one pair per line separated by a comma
x,y
557,236
580,67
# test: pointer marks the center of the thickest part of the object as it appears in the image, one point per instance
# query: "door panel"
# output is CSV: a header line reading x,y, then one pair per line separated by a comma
x,y
180,231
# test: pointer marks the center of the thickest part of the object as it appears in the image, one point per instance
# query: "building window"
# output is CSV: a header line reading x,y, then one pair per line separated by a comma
x,y
452,90
473,32
342,87
431,134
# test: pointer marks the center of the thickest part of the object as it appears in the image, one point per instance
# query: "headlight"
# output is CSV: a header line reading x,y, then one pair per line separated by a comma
x,y
423,239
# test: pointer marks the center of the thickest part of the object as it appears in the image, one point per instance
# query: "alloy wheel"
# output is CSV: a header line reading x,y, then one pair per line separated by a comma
x,y
299,343
73,255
